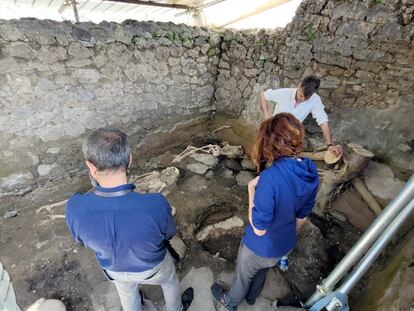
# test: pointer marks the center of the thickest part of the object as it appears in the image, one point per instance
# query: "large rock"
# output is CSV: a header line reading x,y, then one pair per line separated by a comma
x,y
198,168
248,165
355,209
380,180
243,178
217,229
276,286
155,181
307,262
178,245
207,159
200,280
16,182
233,165
226,177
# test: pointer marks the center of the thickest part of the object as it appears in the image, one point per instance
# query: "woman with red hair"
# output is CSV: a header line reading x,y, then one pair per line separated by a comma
x,y
279,202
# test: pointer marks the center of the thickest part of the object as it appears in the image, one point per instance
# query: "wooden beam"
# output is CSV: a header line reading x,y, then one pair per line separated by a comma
x,y
152,3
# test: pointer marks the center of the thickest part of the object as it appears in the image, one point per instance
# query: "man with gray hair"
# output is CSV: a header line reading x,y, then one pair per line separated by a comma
x,y
127,230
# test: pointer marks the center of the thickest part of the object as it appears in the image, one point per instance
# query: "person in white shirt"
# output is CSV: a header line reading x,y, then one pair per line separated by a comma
x,y
300,102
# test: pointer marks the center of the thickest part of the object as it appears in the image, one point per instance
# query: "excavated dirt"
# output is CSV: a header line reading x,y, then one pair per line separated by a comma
x,y
43,261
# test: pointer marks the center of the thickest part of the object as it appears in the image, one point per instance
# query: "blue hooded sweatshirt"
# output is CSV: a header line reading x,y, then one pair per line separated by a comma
x,y
285,191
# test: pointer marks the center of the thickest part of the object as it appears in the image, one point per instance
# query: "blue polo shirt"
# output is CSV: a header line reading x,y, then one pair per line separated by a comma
x,y
285,191
127,232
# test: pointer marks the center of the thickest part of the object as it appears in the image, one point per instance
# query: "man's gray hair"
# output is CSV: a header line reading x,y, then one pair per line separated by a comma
x,y
107,149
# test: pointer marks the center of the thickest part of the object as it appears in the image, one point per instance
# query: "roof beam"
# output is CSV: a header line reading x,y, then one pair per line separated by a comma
x,y
152,3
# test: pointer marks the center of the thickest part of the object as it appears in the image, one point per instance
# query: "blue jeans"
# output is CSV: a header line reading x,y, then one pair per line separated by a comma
x,y
127,284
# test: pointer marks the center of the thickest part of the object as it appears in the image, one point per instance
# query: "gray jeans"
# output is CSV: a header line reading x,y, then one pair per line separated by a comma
x,y
251,271
127,284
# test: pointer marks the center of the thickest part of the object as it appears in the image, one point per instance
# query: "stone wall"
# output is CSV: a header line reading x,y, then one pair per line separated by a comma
x,y
58,81
362,50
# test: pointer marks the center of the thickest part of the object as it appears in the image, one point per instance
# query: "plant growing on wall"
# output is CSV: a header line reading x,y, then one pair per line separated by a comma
x,y
135,39
311,33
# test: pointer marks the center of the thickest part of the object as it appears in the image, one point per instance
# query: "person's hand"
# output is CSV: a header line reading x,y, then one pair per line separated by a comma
x,y
336,150
253,183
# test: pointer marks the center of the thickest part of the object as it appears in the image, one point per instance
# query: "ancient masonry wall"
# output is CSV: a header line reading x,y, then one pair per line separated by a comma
x,y
58,81
362,50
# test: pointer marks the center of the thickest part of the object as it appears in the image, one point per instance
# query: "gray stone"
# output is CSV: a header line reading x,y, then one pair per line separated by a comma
x,y
205,158
244,177
381,182
276,286
217,229
16,181
248,165
10,214
200,280
78,50
178,245
49,169
81,34
215,40
21,50
233,165
44,85
53,150
87,75
226,177
85,96
306,260
198,168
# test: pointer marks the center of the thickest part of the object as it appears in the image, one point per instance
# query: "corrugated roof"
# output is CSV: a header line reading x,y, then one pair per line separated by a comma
x,y
222,11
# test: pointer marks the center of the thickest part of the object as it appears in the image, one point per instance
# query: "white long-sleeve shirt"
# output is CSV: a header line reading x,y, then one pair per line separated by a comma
x,y
285,102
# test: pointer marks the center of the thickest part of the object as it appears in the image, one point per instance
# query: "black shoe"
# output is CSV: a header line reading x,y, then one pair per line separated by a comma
x,y
187,298
250,301
220,298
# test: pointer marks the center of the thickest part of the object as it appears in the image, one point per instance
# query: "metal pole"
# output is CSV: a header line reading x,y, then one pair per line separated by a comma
x,y
376,250
75,11
199,8
371,234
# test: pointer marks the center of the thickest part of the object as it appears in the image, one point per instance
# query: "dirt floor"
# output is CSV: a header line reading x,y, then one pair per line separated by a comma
x,y
43,260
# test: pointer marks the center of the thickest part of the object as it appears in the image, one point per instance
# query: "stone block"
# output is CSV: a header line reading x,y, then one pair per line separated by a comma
x,y
87,75
244,177
198,168
207,159
15,182
49,170
381,182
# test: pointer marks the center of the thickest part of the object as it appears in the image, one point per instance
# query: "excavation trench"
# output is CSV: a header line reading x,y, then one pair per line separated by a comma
x,y
209,197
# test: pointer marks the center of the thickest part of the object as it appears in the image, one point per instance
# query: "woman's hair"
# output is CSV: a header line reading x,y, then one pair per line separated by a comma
x,y
280,136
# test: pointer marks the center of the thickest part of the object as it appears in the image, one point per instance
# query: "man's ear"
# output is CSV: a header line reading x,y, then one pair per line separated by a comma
x,y
92,168
130,160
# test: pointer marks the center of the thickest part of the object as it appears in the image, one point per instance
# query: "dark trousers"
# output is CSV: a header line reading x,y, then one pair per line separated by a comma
x,y
250,276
